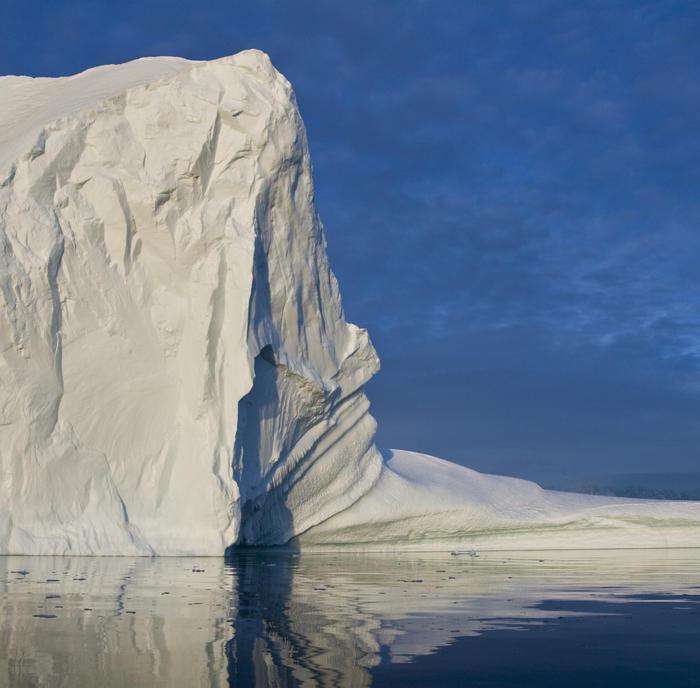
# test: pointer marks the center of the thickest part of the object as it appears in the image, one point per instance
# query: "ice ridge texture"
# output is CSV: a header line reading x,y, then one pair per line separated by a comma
x,y
176,371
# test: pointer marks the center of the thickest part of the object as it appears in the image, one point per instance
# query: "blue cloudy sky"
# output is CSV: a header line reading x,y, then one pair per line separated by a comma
x,y
510,196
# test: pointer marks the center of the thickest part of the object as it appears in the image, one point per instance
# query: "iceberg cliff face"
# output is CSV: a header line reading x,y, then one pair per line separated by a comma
x,y
176,373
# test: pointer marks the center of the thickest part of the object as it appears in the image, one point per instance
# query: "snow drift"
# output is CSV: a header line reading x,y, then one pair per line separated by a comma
x,y
176,372
424,503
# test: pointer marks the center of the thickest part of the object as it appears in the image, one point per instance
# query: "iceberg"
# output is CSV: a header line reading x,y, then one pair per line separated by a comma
x,y
176,372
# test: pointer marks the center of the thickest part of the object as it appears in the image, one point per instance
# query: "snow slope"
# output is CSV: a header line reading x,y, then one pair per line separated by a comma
x,y
420,502
176,373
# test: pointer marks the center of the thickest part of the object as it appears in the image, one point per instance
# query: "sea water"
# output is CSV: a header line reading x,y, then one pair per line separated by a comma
x,y
281,618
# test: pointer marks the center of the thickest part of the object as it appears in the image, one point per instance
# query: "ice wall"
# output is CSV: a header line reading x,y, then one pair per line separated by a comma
x,y
176,373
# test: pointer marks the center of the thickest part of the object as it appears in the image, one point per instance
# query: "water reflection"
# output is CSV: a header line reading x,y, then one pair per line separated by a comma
x,y
281,618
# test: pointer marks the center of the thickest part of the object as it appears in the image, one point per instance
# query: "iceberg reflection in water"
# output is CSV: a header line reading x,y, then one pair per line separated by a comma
x,y
281,618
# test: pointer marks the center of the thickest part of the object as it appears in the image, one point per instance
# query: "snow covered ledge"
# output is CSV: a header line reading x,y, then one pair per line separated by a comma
x,y
176,372
424,503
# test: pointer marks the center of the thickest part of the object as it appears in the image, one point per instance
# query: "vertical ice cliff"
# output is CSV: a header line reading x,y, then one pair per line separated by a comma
x,y
176,373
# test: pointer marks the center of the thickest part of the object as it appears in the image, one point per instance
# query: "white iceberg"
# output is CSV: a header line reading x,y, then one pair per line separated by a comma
x,y
176,372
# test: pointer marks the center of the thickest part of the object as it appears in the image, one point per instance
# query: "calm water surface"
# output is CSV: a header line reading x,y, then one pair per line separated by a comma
x,y
278,618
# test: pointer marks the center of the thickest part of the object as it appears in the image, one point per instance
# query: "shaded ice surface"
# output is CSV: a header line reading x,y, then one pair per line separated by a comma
x,y
176,372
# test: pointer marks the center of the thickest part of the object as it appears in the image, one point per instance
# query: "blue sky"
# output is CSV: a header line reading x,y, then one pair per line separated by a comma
x,y
510,196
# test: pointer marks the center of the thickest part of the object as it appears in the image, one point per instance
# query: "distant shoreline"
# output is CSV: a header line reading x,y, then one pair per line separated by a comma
x,y
672,486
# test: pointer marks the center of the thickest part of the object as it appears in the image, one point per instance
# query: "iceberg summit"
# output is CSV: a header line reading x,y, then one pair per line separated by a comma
x,y
176,372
